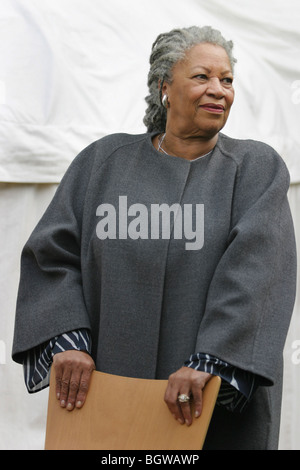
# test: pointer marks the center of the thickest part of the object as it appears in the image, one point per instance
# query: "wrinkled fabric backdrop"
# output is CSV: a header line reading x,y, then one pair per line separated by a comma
x,y
72,71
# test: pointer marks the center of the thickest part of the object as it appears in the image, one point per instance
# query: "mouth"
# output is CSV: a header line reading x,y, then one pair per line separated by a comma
x,y
213,108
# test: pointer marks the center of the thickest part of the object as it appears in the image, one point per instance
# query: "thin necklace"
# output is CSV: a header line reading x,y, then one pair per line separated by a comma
x,y
160,142
159,148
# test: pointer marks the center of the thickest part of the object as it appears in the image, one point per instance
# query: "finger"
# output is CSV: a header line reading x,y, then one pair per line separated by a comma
x,y
197,387
65,387
197,401
83,387
171,399
74,385
171,402
185,408
58,377
62,377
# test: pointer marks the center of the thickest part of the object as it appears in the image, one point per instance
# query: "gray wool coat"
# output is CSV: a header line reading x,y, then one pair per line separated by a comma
x,y
218,278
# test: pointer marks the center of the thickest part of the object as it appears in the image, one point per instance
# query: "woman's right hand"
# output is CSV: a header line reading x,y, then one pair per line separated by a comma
x,y
73,370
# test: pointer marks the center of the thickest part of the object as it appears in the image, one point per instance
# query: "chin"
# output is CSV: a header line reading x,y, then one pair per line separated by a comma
x,y
212,130
210,133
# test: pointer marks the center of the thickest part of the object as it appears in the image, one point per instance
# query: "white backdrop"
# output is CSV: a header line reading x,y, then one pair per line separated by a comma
x,y
72,71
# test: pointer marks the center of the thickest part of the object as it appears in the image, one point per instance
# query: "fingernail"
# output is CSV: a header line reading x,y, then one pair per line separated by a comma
x,y
180,421
63,403
58,396
197,414
78,404
69,406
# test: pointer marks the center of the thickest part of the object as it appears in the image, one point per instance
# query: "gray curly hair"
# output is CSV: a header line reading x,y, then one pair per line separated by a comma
x,y
167,50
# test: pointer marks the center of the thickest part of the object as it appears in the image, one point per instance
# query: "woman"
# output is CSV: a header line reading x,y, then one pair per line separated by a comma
x,y
168,255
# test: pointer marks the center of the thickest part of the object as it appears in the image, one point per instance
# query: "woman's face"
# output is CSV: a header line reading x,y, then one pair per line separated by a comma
x,y
201,93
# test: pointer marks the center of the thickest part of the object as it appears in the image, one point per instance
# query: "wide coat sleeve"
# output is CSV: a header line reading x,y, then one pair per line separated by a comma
x,y
50,299
251,295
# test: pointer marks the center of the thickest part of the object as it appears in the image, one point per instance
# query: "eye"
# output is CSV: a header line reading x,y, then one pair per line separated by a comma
x,y
228,81
201,76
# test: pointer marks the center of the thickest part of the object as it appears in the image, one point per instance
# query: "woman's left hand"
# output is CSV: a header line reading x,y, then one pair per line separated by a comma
x,y
189,382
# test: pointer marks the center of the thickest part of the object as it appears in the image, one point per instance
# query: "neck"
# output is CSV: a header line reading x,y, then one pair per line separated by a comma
x,y
187,147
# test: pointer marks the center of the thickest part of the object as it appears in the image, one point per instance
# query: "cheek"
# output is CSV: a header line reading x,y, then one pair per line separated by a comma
x,y
230,98
196,93
185,104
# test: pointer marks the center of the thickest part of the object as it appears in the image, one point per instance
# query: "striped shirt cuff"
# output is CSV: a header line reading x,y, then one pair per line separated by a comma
x,y
237,386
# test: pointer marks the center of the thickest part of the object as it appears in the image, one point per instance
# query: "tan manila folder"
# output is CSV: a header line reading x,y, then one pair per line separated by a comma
x,y
122,413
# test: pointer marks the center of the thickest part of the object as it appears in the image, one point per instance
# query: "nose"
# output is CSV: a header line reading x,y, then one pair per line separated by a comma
x,y
214,88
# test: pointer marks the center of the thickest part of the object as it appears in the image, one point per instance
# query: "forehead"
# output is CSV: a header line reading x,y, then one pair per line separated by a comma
x,y
205,55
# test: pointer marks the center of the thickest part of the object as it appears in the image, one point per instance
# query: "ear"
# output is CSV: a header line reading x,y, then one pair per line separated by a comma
x,y
163,86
